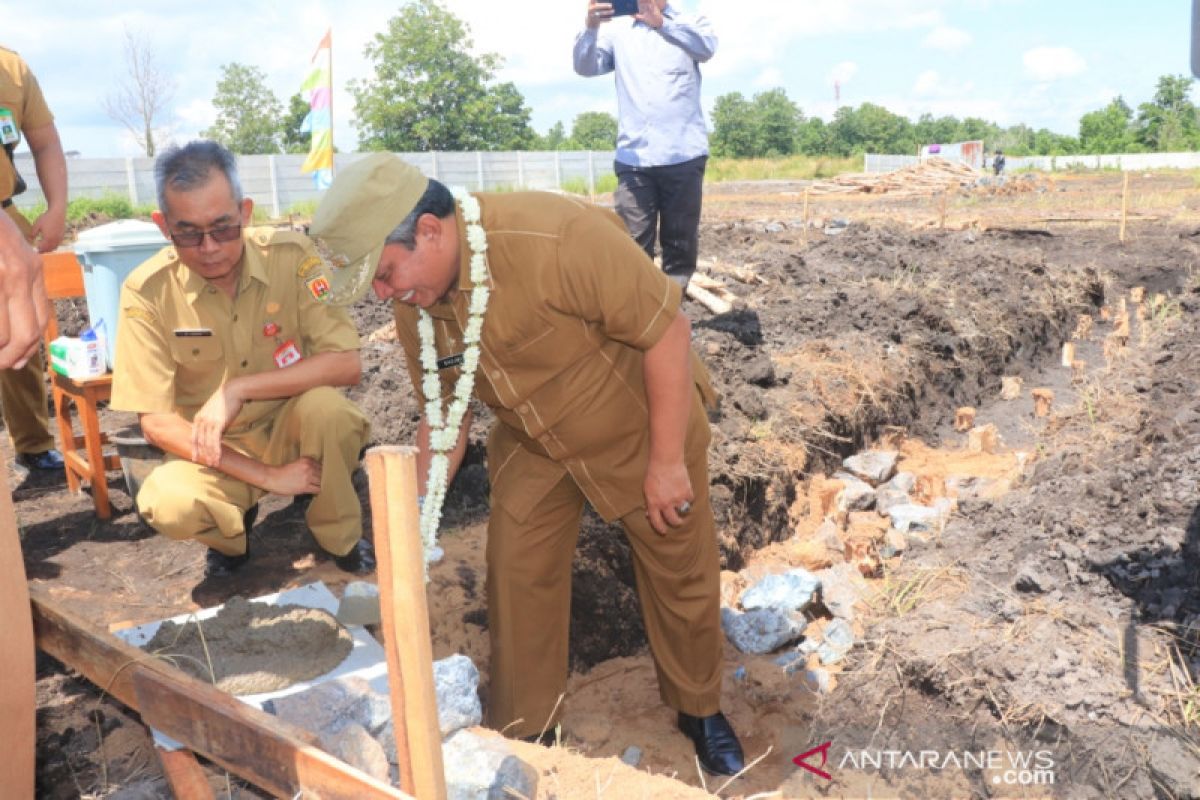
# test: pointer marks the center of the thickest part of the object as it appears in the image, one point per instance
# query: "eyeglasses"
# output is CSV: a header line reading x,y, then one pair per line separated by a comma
x,y
224,233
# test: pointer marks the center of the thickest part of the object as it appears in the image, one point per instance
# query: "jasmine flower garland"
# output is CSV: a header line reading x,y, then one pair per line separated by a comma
x,y
444,426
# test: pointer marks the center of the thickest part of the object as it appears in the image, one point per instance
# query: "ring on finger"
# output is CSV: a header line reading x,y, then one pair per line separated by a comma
x,y
684,508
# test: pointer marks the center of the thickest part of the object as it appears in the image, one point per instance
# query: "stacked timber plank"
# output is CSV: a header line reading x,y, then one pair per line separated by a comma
x,y
929,177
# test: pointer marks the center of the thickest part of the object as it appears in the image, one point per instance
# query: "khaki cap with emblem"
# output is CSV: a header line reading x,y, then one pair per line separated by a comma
x,y
365,203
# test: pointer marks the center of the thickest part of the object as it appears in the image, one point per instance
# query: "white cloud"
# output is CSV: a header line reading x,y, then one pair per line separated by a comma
x,y
927,83
1053,63
943,37
769,78
842,72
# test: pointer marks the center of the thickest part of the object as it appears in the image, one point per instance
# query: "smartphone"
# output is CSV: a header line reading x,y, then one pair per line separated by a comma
x,y
622,8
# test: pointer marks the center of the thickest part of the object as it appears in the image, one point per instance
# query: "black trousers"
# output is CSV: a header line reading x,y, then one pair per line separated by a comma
x,y
663,203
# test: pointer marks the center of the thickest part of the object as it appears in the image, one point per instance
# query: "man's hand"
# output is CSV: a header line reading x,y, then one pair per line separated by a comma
x,y
598,13
23,303
210,422
302,476
649,13
48,230
667,488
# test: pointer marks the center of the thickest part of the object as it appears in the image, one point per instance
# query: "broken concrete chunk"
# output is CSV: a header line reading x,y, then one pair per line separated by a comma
x,y
873,466
910,516
456,682
841,588
762,630
329,706
887,497
354,744
790,591
817,680
901,482
484,768
836,641
856,494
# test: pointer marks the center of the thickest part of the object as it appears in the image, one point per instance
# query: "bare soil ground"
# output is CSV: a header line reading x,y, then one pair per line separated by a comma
x,y
1061,617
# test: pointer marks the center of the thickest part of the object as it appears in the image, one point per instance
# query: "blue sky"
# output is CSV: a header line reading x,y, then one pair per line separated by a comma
x,y
1041,62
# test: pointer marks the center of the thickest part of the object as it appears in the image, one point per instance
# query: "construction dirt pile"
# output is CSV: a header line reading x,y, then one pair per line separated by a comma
x,y
1049,619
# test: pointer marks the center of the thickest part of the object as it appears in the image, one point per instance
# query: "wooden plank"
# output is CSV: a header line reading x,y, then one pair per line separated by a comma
x,y
392,472
185,775
248,742
17,734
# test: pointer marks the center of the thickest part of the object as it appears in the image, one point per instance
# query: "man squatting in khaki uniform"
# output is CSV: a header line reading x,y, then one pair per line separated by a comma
x,y
585,359
23,111
228,353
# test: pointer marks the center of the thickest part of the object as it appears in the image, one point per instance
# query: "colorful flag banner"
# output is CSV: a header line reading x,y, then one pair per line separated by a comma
x,y
318,87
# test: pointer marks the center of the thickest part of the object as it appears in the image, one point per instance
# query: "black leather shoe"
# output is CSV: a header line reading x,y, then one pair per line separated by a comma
x,y
46,460
219,565
717,745
359,561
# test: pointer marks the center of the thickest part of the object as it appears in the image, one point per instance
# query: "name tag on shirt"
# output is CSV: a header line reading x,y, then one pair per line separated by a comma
x,y
185,332
450,362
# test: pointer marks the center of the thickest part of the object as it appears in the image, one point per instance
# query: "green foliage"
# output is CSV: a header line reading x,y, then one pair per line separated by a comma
x,y
733,128
81,209
604,184
289,129
1168,123
430,93
594,130
248,113
798,167
555,138
1108,130
776,119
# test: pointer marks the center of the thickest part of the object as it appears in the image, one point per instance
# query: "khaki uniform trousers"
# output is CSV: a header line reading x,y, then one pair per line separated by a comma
x,y
185,500
23,391
529,605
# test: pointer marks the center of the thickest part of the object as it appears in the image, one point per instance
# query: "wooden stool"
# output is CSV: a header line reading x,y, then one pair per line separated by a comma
x,y
64,279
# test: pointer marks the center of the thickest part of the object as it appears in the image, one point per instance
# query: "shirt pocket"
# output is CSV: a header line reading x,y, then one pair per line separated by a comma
x,y
199,368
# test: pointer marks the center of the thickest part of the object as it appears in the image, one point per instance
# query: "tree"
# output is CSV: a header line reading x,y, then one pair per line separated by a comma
x,y
1169,121
594,130
870,129
555,138
733,128
430,93
1108,130
776,122
142,97
293,139
248,113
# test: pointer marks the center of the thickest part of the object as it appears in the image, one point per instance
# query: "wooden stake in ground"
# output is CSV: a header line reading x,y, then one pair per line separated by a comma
x,y
1043,399
804,234
964,419
1010,387
1137,294
942,211
1083,327
1124,206
392,472
1068,353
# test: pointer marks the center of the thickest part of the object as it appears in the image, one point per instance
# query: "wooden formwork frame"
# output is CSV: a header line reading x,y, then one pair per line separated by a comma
x,y
269,753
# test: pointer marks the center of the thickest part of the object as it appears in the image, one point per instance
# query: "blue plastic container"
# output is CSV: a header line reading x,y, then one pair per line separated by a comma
x,y
108,254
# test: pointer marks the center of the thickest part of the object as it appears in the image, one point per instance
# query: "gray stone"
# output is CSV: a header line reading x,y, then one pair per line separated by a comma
x,y
856,494
762,630
887,498
842,586
817,680
354,744
829,534
484,768
330,706
790,591
632,756
873,466
902,482
913,517
456,682
836,642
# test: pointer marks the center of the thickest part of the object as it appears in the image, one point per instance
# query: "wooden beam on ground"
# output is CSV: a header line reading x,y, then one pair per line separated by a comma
x,y
185,775
250,743
392,474
708,299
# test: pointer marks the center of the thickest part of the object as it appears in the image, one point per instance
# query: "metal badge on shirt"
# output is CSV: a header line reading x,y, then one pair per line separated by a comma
x,y
8,127
449,362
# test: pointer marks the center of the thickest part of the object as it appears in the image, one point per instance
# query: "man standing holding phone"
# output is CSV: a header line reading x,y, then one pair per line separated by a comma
x,y
655,52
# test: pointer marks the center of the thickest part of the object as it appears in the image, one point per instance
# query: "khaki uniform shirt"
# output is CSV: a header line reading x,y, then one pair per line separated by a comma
x,y
22,107
179,338
574,304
